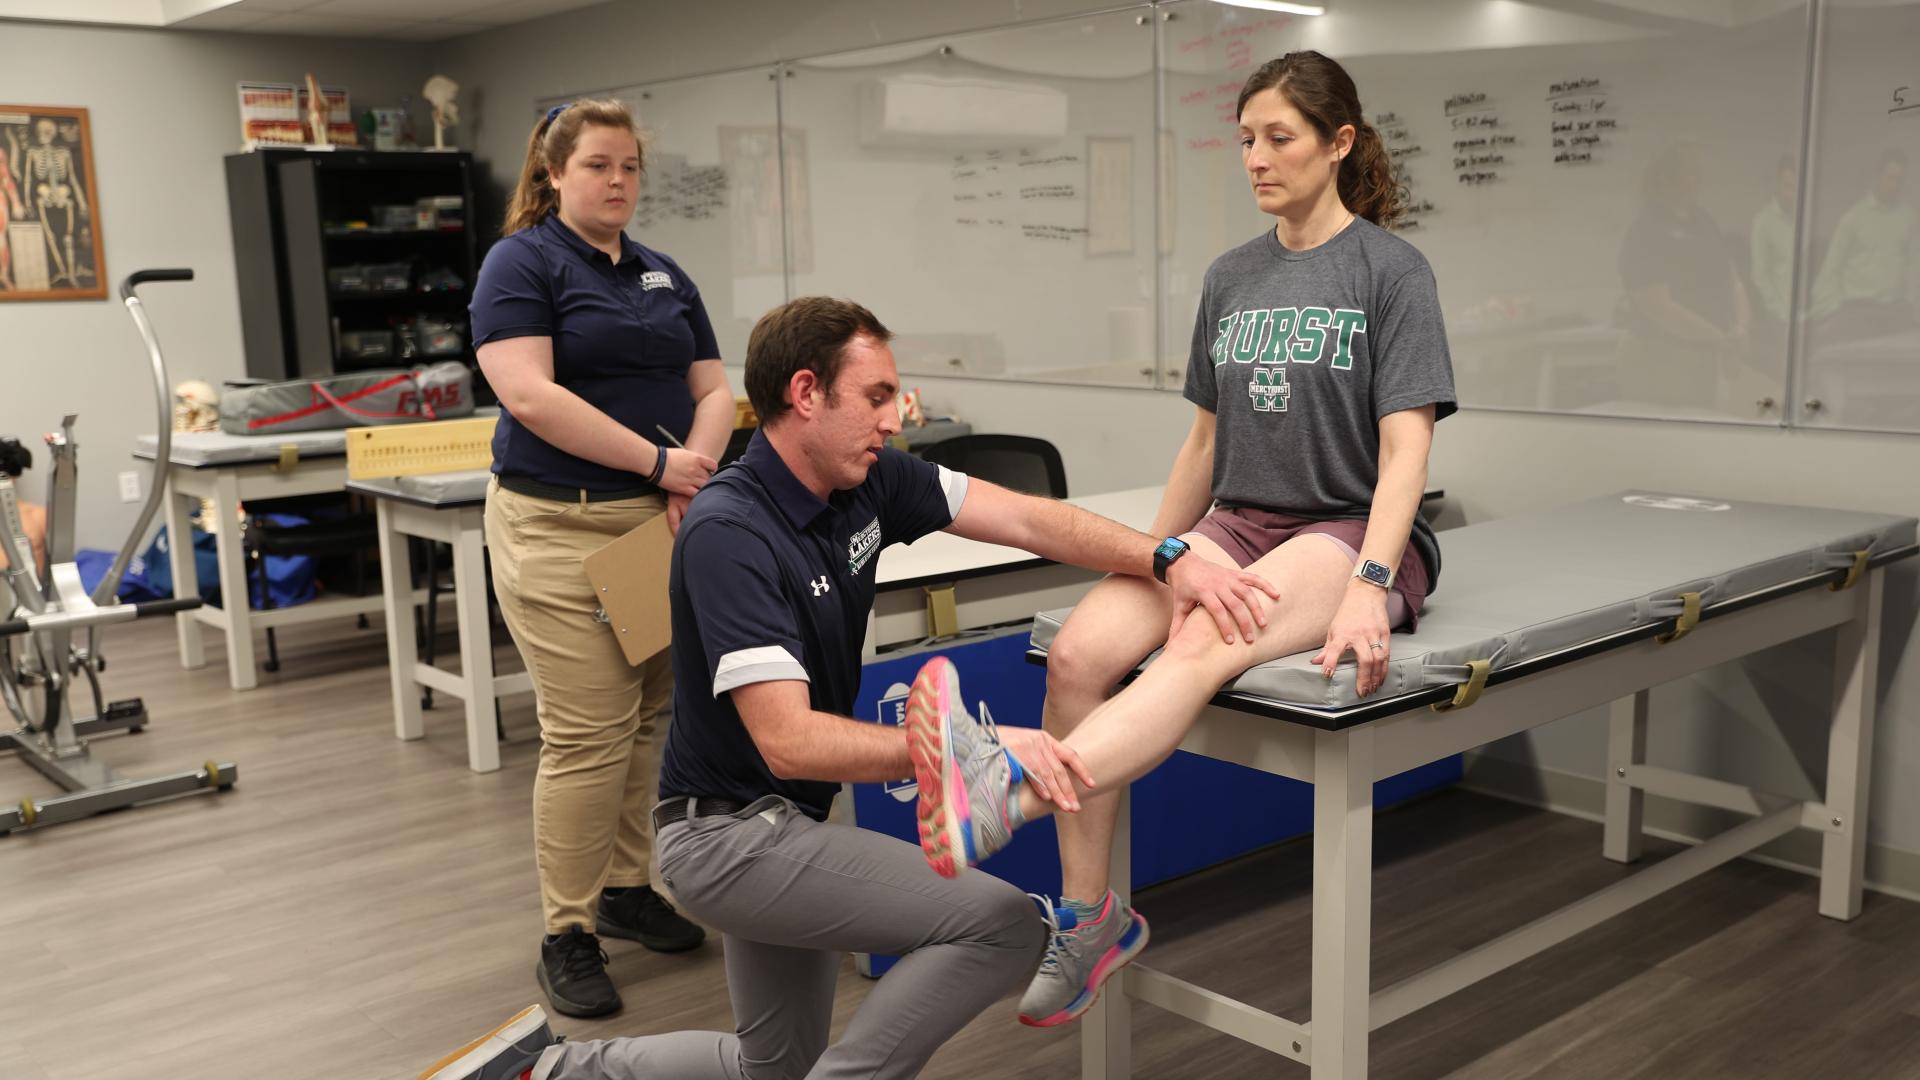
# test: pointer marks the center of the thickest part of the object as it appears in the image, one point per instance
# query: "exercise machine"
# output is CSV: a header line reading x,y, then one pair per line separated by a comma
x,y
46,610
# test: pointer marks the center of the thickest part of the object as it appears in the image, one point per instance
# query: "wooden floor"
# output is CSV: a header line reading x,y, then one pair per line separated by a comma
x,y
359,905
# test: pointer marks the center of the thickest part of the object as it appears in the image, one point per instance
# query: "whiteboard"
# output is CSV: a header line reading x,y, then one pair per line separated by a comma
x,y
989,196
1578,180
1617,199
1862,274
711,197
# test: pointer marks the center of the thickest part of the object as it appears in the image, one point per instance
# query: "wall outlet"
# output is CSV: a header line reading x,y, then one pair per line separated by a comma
x,y
129,487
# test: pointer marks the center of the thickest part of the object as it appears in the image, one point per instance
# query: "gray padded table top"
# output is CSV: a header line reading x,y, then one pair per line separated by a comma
x,y
437,490
1517,589
204,448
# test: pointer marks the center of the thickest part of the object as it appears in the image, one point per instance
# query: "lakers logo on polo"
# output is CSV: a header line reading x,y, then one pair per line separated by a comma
x,y
862,545
656,279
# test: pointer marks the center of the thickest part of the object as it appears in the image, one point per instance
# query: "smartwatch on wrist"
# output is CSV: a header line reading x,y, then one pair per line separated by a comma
x,y
1169,552
1374,574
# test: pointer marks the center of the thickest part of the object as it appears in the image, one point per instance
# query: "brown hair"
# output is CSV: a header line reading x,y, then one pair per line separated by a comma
x,y
1324,93
808,334
548,148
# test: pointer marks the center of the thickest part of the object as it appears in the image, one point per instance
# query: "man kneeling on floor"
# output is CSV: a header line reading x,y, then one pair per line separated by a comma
x,y
772,584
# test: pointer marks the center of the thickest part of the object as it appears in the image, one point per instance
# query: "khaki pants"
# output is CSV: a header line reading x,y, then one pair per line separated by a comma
x,y
598,760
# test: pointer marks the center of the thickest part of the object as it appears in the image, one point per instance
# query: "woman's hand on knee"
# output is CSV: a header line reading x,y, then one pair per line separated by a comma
x,y
1233,597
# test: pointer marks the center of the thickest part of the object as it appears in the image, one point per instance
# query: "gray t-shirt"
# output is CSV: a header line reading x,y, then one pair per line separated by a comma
x,y
1298,354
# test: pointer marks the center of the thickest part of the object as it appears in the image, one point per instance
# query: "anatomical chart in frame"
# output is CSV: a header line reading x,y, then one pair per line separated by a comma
x,y
49,206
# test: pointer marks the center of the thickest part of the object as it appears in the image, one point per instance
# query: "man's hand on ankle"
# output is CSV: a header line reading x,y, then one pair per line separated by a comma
x,y
1049,764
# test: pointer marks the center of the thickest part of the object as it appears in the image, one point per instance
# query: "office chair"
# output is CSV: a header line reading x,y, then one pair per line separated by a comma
x,y
1019,462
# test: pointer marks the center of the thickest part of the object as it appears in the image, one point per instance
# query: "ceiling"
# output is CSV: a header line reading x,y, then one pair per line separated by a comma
x,y
439,20
390,20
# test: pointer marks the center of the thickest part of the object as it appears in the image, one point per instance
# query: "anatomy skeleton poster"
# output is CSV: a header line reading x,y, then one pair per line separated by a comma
x,y
49,206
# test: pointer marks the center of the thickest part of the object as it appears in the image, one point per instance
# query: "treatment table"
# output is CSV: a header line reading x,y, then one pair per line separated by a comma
x,y
1536,618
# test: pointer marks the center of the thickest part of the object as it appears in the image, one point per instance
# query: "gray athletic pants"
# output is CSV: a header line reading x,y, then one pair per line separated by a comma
x,y
791,895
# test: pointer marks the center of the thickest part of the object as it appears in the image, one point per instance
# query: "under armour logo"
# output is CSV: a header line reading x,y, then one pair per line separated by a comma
x,y
820,586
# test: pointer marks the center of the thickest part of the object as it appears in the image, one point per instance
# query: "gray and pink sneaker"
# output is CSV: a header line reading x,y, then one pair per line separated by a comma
x,y
1080,957
967,780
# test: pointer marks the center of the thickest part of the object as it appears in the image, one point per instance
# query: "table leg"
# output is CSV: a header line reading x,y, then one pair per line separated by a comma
x,y
1626,804
476,648
1106,1030
186,576
403,651
234,607
1856,681
1342,901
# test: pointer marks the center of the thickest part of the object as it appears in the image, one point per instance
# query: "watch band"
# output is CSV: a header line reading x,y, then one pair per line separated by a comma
x,y
1169,552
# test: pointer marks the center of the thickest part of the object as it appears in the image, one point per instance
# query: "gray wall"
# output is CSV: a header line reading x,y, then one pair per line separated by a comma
x,y
163,112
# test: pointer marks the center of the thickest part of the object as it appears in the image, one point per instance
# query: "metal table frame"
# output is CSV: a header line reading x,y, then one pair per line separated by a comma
x,y
1342,753
229,485
460,524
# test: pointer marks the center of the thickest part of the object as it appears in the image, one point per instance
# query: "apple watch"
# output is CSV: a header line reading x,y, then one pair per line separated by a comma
x,y
1374,574
1168,553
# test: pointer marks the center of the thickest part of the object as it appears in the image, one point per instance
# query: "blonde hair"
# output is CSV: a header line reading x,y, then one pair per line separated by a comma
x,y
549,147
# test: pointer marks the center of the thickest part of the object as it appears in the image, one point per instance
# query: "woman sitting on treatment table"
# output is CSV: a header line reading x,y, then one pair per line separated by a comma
x,y
1319,365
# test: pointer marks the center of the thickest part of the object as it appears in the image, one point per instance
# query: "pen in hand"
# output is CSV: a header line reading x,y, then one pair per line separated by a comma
x,y
669,436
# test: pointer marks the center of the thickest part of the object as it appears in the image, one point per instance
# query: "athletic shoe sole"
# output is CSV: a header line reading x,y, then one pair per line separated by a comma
x,y
943,813
468,1060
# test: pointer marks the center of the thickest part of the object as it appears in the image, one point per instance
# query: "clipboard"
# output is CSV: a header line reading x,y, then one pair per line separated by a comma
x,y
629,578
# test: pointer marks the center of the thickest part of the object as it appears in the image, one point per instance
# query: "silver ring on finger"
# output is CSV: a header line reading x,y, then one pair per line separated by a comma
x,y
1375,645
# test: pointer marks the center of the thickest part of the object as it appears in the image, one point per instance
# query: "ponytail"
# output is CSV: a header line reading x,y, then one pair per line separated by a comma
x,y
1367,182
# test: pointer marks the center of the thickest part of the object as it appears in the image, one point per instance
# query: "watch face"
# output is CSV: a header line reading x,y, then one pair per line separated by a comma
x,y
1375,573
1170,547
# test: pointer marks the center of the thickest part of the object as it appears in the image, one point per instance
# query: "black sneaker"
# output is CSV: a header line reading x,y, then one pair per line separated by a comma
x,y
639,914
573,972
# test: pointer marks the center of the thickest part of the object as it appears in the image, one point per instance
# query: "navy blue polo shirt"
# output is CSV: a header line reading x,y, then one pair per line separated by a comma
x,y
624,335
770,583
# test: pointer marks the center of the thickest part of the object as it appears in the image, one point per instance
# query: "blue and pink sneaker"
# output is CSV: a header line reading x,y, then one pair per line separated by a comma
x,y
1080,957
967,780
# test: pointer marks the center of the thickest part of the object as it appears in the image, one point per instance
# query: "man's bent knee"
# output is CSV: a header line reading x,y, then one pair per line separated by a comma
x,y
1016,927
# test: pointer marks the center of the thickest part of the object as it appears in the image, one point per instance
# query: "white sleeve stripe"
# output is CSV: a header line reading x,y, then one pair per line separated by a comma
x,y
765,663
759,673
955,486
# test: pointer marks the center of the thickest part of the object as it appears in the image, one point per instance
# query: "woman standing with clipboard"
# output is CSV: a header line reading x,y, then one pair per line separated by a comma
x,y
595,344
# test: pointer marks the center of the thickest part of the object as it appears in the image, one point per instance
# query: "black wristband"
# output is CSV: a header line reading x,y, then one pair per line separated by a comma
x,y
659,467
1169,552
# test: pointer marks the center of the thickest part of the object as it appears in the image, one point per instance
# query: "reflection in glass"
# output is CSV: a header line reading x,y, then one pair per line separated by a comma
x,y
1861,290
1863,341
1684,308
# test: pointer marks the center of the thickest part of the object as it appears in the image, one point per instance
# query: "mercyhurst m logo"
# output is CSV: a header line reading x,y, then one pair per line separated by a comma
x,y
1288,336
1269,389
